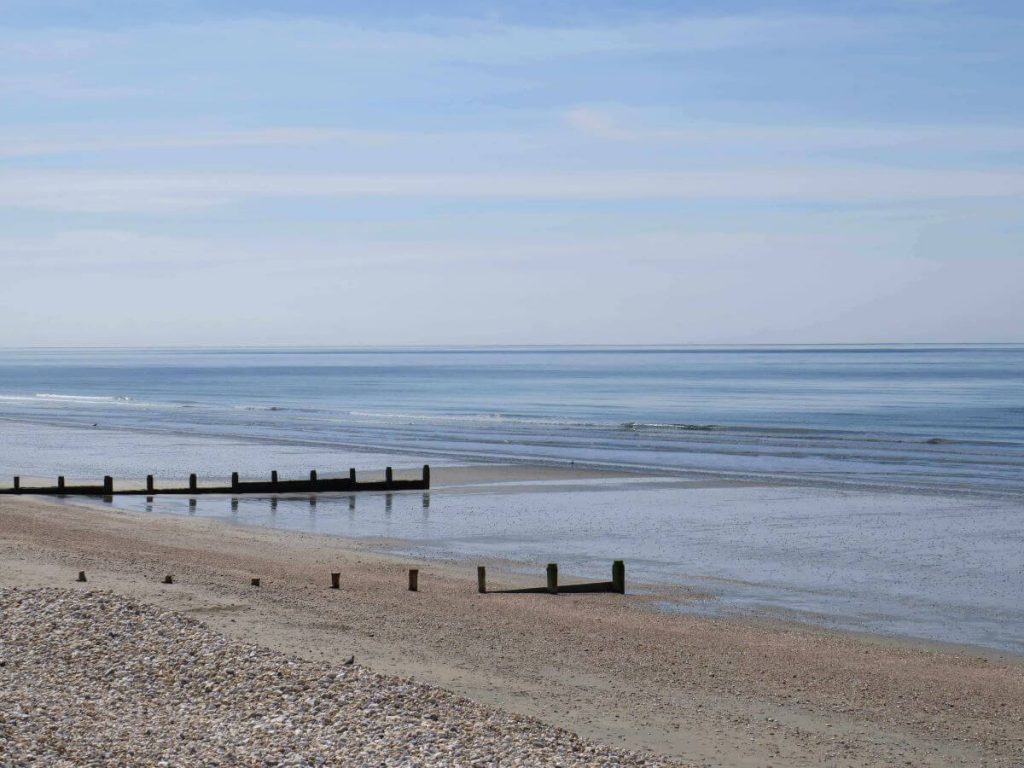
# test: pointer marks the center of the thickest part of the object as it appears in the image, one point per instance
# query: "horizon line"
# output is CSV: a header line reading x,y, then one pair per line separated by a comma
x,y
508,346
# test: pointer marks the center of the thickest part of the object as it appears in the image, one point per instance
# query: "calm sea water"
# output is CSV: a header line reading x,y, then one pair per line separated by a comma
x,y
927,417
901,506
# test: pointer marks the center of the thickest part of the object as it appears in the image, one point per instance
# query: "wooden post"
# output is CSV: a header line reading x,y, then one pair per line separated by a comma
x,y
273,477
60,483
351,474
168,579
414,580
553,578
481,579
426,475
234,479
193,482
81,576
149,483
108,485
255,582
335,581
389,477
619,577
17,482
312,475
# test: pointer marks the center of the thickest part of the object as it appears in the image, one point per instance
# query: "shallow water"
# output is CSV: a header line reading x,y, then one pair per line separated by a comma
x,y
915,565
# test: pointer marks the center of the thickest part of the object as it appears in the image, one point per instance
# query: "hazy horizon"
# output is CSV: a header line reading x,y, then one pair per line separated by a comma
x,y
511,346
324,174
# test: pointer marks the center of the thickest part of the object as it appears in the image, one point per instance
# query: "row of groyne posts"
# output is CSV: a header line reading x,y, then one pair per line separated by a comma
x,y
314,484
616,585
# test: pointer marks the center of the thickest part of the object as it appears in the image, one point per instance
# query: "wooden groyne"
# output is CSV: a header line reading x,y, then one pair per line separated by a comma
x,y
315,484
617,585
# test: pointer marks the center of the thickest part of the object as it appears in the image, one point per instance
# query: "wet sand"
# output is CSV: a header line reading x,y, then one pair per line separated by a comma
x,y
914,564
708,691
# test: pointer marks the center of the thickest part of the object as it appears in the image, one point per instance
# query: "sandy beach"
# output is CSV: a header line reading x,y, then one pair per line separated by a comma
x,y
609,668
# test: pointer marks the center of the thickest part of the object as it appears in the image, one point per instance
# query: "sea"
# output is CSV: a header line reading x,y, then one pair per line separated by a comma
x,y
873,487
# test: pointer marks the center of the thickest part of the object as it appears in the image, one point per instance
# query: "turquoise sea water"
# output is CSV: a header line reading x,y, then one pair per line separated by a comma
x,y
886,493
930,417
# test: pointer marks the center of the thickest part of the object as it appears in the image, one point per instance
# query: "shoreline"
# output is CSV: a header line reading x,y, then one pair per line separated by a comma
x,y
760,549
509,574
713,691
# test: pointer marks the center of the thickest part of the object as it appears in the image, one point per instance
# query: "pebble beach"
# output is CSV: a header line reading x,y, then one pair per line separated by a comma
x,y
93,678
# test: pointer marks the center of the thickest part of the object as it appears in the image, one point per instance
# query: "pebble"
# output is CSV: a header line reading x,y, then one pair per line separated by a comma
x,y
92,678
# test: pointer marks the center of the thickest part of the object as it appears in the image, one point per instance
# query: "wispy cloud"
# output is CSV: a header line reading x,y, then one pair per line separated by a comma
x,y
451,39
175,192
22,146
465,38
85,249
623,125
66,88
47,46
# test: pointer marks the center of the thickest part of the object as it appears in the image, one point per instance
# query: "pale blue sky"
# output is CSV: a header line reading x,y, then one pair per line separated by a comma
x,y
340,173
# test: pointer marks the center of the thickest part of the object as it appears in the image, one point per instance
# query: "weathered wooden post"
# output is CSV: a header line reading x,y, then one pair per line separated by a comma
x,y
60,483
17,482
193,482
619,577
108,485
352,475
312,475
426,475
414,580
553,578
273,477
149,483
254,582
335,581
481,579
81,576
234,479
389,477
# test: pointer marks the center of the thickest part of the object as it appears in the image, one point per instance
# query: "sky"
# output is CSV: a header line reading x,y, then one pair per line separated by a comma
x,y
298,172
